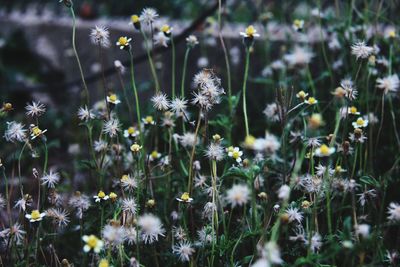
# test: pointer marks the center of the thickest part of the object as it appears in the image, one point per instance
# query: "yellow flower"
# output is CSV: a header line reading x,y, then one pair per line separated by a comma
x,y
185,198
113,196
360,123
298,24
306,204
339,92
35,216
123,42
302,95
36,131
154,155
311,101
135,148
124,177
101,196
250,32
150,203
131,132
113,99
315,121
148,120
135,19
166,29
92,243
249,141
324,151
216,137
104,263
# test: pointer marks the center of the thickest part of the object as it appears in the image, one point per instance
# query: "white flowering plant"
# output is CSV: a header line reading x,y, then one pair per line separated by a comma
x,y
285,152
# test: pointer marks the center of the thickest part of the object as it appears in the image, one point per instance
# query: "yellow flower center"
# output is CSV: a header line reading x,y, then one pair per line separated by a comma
x,y
104,263
125,177
113,98
36,131
154,154
249,141
135,18
297,23
101,194
35,214
338,168
301,94
324,150
311,100
392,34
123,41
250,31
216,137
113,195
235,154
149,119
185,196
92,241
131,130
135,147
360,122
353,110
165,28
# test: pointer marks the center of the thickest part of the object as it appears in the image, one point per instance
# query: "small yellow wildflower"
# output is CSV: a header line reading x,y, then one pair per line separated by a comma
x,y
104,263
166,29
148,120
123,42
113,99
135,148
92,243
311,101
324,151
101,196
302,95
185,198
154,155
235,153
150,203
360,123
35,216
315,121
113,196
250,32
298,24
131,132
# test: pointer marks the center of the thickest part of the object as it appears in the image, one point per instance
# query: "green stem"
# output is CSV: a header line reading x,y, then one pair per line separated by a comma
x,y
76,55
184,72
246,71
173,66
150,58
136,95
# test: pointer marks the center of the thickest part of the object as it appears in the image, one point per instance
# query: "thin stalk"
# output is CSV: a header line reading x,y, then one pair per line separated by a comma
x,y
173,66
76,55
150,58
184,71
190,178
136,95
246,72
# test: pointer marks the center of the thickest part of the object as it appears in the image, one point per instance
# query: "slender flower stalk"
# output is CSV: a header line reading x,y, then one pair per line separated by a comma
x,y
135,92
71,8
173,66
184,71
246,72
151,62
